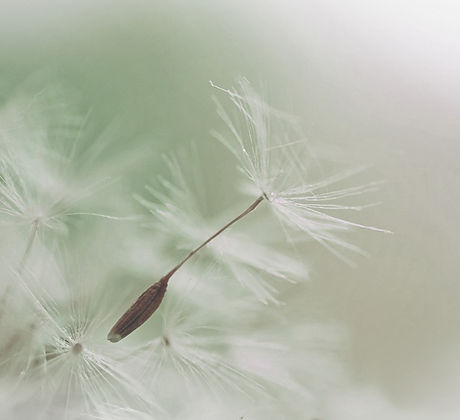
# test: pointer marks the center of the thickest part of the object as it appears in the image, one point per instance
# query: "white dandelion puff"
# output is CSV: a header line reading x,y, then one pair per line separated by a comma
x,y
277,161
69,362
52,166
248,359
195,351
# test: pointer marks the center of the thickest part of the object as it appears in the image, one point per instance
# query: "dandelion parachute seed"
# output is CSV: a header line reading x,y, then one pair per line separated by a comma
x,y
274,167
149,301
242,256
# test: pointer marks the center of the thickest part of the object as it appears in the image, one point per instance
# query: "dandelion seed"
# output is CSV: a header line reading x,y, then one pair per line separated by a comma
x,y
150,299
240,253
268,159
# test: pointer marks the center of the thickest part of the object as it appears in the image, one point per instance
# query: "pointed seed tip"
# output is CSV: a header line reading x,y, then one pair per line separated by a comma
x,y
114,338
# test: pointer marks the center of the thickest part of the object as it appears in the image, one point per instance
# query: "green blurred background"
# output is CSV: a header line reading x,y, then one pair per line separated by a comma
x,y
373,83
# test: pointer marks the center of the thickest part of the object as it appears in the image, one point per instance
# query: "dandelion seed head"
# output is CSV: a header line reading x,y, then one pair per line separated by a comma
x,y
191,353
68,357
52,164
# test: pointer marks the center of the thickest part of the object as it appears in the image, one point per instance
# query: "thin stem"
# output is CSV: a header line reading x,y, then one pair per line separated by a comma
x,y
21,265
148,302
192,253
29,245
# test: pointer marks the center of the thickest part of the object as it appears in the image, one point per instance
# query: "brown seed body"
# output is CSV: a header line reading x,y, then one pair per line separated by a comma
x,y
141,310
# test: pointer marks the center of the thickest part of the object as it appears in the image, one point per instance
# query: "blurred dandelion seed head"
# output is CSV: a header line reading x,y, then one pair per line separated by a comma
x,y
223,336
